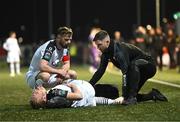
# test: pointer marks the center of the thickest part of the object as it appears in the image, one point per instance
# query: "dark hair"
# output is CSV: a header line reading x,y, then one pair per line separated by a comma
x,y
100,35
64,30
11,32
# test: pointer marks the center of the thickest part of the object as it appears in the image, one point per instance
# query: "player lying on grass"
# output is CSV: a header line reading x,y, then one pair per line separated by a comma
x,y
72,93
79,93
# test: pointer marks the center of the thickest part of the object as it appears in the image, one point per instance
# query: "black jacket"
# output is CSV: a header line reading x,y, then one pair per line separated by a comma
x,y
121,55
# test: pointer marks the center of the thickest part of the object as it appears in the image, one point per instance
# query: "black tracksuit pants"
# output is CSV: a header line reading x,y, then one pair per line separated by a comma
x,y
138,73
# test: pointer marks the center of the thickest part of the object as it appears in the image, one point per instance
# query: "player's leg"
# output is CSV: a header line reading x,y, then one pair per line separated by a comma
x,y
49,80
12,69
103,101
130,84
35,79
147,71
17,64
108,101
11,60
136,77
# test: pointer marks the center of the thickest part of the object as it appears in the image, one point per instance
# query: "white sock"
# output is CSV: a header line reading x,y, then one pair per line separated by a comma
x,y
17,67
52,80
104,101
12,71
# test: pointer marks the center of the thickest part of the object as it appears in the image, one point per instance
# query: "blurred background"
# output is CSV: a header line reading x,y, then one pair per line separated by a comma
x,y
36,21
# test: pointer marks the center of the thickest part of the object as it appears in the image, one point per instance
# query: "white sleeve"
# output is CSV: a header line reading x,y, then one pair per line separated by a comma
x,y
5,45
19,50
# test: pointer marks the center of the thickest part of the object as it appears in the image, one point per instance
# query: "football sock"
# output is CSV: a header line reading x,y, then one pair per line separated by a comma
x,y
12,71
103,100
18,68
53,81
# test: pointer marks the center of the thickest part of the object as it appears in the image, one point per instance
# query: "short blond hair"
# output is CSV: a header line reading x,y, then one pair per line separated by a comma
x,y
37,101
64,30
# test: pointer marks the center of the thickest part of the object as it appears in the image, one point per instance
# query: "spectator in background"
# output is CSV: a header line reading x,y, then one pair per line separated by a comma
x,y
140,38
13,56
150,42
178,52
93,32
171,45
94,57
94,53
158,46
118,37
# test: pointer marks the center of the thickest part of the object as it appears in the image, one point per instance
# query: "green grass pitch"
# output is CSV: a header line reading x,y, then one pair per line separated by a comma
x,y
14,105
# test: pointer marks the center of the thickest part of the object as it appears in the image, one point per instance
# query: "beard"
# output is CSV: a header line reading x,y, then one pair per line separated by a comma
x,y
65,46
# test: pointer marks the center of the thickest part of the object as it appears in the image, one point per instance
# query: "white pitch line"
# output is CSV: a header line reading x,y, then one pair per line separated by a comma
x,y
151,80
164,83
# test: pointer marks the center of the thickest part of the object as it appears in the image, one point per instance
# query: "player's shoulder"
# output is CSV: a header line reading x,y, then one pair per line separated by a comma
x,y
49,45
10,40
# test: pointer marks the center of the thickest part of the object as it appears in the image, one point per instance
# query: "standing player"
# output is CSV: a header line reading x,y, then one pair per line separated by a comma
x,y
51,58
13,56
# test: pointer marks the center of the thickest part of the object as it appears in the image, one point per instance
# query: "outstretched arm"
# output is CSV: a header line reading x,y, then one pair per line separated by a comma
x,y
99,73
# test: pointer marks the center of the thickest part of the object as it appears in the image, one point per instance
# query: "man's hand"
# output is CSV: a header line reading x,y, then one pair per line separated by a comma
x,y
59,80
62,73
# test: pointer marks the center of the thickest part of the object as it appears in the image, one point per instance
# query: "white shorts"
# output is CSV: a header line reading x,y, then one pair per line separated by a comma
x,y
13,57
31,79
33,82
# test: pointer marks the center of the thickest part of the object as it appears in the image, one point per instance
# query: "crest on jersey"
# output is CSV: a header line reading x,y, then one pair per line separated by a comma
x,y
47,56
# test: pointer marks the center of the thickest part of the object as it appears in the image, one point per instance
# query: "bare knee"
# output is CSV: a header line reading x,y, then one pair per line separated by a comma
x,y
43,76
72,74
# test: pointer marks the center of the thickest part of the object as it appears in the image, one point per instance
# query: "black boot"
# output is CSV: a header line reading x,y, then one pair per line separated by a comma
x,y
130,101
157,95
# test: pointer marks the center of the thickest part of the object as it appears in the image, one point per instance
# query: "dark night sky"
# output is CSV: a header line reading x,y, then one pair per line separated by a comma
x,y
109,14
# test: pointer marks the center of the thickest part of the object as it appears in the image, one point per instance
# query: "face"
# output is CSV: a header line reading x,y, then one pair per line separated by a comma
x,y
117,35
158,30
39,95
13,35
63,41
170,32
102,45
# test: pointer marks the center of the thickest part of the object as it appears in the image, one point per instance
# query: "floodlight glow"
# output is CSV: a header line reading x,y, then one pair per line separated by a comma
x,y
148,27
176,15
